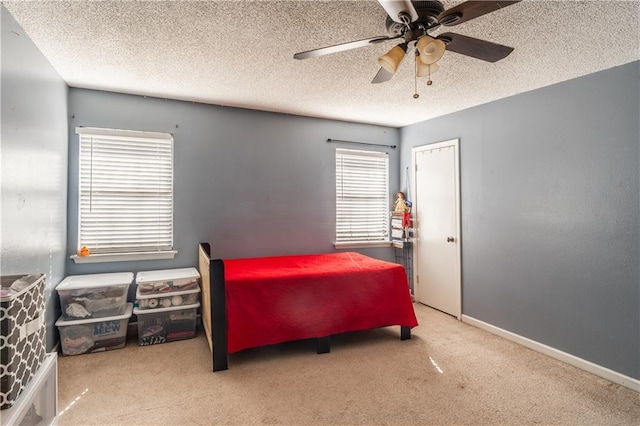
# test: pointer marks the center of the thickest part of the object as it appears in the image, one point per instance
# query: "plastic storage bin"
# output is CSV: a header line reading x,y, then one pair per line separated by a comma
x,y
167,280
94,334
167,300
95,295
22,326
38,403
166,324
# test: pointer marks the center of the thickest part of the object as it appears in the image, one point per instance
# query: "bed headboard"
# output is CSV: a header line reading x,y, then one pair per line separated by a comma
x,y
204,266
214,305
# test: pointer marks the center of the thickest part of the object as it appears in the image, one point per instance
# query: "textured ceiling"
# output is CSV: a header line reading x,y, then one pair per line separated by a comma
x,y
240,53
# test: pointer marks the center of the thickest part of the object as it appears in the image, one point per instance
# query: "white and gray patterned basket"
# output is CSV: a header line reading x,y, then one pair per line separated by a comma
x,y
22,337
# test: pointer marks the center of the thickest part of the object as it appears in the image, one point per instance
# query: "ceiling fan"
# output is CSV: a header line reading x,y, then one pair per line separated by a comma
x,y
411,21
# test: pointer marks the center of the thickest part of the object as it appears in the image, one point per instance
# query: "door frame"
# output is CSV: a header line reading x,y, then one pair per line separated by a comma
x,y
455,143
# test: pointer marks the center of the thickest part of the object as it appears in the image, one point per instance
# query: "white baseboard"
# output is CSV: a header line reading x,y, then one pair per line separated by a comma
x,y
596,369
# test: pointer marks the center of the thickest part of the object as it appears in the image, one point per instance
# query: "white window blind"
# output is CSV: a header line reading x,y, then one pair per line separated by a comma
x,y
362,196
126,191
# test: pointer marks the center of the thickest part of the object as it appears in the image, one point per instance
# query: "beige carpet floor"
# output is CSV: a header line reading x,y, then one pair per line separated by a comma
x,y
448,373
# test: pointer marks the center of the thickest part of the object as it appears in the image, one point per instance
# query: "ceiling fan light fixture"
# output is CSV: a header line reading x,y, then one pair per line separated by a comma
x,y
391,60
431,49
424,71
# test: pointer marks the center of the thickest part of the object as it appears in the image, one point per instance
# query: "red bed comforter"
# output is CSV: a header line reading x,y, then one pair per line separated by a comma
x,y
277,299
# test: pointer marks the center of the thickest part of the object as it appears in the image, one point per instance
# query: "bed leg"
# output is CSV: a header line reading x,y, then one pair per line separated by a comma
x,y
323,345
405,332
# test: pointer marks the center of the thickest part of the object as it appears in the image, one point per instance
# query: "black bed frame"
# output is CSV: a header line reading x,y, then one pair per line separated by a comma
x,y
218,314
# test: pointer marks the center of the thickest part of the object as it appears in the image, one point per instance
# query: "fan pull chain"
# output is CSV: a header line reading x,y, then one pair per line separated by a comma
x,y
415,76
429,82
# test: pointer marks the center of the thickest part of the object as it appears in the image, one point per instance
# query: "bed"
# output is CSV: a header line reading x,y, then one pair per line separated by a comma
x,y
253,302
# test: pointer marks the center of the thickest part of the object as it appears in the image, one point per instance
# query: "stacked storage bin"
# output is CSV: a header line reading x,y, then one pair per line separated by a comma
x,y
167,302
95,312
22,343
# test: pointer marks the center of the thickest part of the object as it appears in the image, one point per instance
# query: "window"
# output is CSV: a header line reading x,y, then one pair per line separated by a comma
x,y
362,197
125,196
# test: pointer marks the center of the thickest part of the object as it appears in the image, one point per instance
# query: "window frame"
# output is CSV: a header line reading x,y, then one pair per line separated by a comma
x,y
385,239
166,252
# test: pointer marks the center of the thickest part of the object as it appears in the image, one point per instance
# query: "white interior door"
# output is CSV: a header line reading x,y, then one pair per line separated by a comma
x,y
437,227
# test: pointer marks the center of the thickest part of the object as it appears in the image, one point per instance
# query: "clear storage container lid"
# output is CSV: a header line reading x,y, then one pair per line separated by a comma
x,y
127,314
141,312
167,275
75,282
166,294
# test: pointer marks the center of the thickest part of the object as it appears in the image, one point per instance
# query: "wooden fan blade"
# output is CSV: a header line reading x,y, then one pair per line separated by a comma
x,y
341,47
382,76
476,48
470,10
398,8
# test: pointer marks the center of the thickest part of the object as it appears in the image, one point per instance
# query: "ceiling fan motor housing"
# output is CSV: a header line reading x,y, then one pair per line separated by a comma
x,y
428,12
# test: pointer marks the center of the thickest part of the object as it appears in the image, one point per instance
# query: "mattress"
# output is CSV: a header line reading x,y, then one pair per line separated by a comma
x,y
277,299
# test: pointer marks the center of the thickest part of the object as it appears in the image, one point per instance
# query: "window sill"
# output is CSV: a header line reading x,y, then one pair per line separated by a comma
x,y
361,244
124,257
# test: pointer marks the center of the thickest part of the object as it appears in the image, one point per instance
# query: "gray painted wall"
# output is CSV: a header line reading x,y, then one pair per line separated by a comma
x,y
250,183
550,213
34,164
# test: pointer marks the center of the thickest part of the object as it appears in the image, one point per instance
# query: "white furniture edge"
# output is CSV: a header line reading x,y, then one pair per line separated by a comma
x,y
583,364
